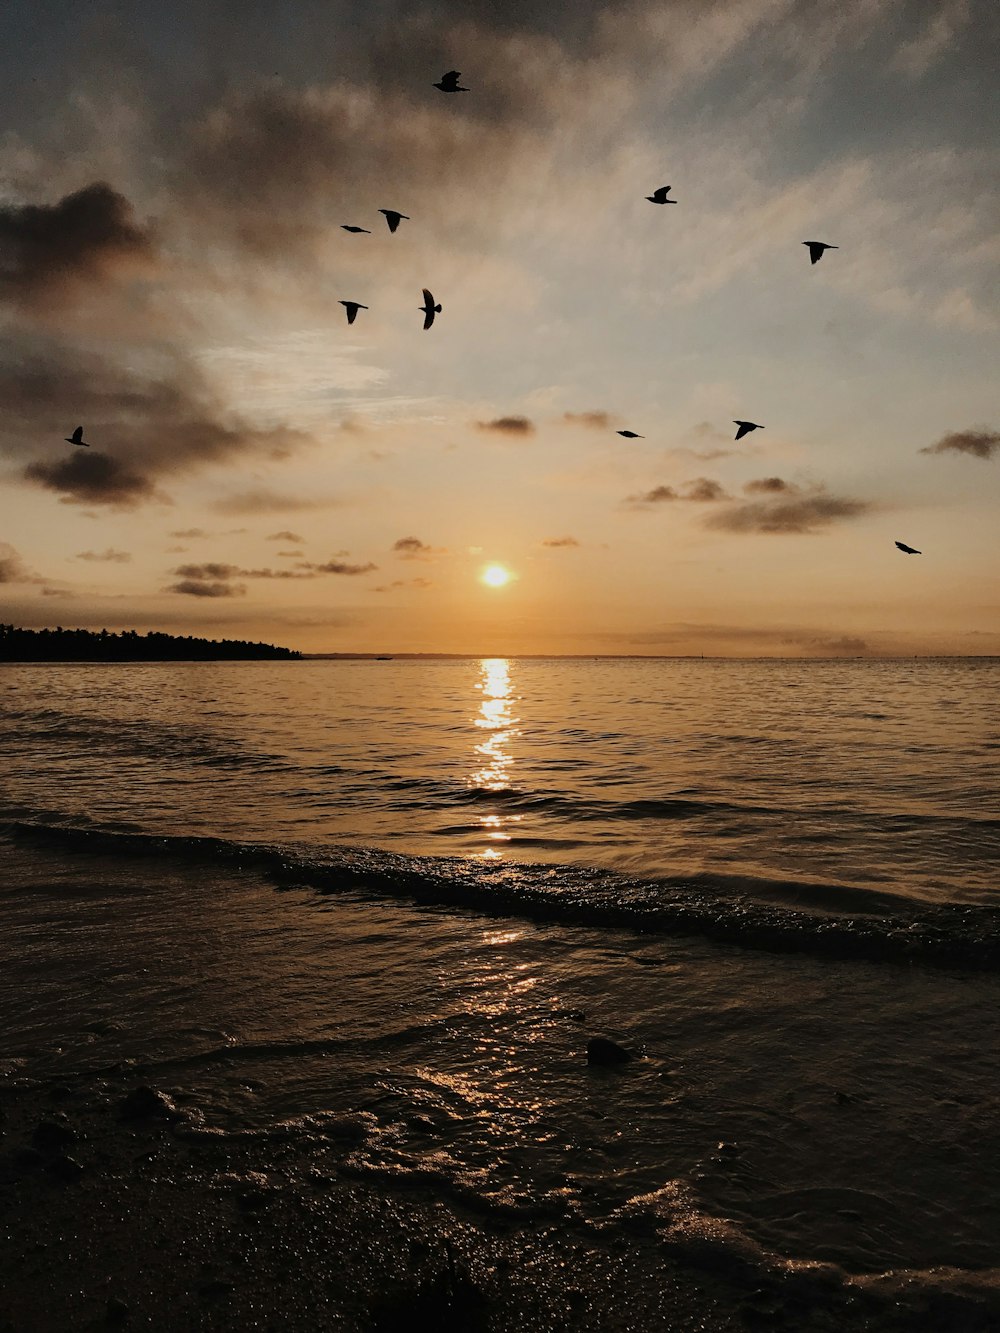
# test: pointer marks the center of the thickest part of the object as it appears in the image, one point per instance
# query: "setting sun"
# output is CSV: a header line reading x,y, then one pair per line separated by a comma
x,y
495,576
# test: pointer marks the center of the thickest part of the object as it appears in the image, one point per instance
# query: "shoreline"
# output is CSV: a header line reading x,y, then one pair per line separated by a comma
x,y
163,1224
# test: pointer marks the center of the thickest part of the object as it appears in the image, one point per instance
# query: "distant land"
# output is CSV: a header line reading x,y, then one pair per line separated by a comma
x,y
82,645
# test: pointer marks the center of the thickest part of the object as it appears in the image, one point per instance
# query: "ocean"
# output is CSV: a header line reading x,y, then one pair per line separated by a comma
x,y
386,904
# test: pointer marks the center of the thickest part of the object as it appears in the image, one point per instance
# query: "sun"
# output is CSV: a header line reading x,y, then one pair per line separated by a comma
x,y
495,576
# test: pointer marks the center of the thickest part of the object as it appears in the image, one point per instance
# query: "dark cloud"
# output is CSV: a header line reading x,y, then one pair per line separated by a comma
x,y
768,486
703,489
205,588
593,420
412,548
92,478
339,567
560,541
658,495
262,500
110,555
211,570
187,534
12,567
276,169
979,443
142,427
509,426
800,514
47,251
285,537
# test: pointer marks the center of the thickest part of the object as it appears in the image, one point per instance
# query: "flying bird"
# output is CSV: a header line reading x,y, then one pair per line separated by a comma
x,y
449,82
429,309
393,218
77,438
630,435
352,308
745,427
660,196
345,227
910,550
816,249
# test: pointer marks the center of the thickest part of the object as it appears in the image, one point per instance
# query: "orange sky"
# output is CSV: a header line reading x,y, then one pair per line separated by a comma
x,y
172,258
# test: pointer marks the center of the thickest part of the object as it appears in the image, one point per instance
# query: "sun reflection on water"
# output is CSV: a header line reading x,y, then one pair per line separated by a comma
x,y
495,716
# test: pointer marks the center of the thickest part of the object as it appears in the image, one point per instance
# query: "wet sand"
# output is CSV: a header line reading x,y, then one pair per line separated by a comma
x,y
123,1210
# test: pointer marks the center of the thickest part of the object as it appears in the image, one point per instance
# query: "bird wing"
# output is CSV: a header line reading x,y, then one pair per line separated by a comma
x,y
452,76
910,550
78,434
428,317
428,299
744,429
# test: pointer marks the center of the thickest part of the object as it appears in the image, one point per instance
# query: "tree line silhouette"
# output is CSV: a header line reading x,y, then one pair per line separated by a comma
x,y
82,645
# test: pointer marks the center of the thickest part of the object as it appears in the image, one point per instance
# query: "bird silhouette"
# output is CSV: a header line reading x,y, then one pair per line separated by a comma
x,y
393,218
345,227
816,249
660,196
745,427
910,550
352,308
630,435
449,82
77,438
429,309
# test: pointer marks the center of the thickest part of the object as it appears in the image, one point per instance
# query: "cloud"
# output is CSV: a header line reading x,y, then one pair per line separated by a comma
x,y
144,425
800,514
768,486
262,500
92,478
509,426
210,570
187,534
979,443
560,541
340,567
12,567
411,548
200,588
658,495
285,537
703,489
110,555
404,583
48,251
592,420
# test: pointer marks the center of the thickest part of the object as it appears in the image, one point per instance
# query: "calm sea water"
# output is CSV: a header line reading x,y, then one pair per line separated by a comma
x,y
755,775
776,882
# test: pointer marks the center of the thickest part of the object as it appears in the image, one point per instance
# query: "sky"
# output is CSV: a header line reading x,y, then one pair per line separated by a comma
x,y
174,182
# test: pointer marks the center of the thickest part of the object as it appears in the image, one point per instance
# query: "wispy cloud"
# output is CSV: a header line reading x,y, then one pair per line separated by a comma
x,y
595,420
508,426
978,443
286,537
110,556
263,500
801,514
560,541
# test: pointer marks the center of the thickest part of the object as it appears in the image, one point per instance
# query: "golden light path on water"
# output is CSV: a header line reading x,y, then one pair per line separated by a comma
x,y
495,716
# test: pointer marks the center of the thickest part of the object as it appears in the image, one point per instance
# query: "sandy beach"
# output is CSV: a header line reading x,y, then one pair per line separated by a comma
x,y
119,1210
